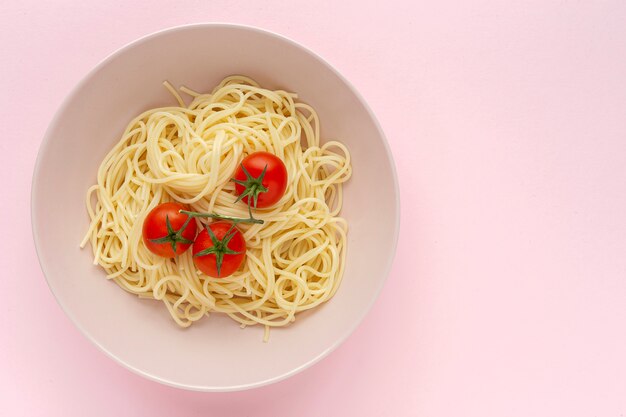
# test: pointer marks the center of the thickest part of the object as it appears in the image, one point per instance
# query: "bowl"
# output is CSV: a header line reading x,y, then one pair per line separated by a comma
x,y
214,354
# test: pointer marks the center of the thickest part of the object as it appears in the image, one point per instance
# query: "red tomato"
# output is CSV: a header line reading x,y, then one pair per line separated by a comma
x,y
262,176
166,232
219,249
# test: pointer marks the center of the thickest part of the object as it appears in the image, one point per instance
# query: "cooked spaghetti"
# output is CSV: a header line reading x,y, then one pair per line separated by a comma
x,y
294,260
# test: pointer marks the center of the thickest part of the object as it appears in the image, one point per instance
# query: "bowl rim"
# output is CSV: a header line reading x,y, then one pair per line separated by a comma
x,y
35,222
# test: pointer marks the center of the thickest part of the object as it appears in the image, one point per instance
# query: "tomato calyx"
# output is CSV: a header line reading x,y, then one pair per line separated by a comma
x,y
174,237
220,247
253,185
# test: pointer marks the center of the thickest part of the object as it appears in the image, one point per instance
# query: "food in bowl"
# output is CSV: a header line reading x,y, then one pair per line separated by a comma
x,y
213,354
229,204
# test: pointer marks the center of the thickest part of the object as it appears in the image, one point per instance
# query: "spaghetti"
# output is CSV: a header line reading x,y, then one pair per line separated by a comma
x,y
294,260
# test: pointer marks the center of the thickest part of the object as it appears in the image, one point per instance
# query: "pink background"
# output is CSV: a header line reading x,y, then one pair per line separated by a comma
x,y
508,293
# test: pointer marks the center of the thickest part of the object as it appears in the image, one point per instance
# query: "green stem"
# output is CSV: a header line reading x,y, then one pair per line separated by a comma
x,y
235,220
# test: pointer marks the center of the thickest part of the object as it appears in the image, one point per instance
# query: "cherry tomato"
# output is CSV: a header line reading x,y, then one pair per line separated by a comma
x,y
219,249
261,176
166,232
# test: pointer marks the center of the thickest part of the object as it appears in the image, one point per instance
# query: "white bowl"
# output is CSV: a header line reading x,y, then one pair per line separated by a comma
x,y
214,354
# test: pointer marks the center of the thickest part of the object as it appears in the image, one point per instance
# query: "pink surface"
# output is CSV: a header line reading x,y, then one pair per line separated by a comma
x,y
508,294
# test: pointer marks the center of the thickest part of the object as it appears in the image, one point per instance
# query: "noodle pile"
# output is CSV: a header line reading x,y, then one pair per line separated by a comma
x,y
294,261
